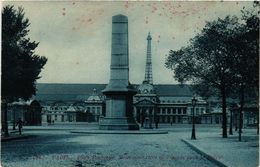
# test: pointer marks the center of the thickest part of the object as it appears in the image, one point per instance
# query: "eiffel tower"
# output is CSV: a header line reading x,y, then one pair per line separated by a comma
x,y
148,68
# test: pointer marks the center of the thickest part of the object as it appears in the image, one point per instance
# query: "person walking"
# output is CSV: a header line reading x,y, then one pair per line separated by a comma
x,y
19,123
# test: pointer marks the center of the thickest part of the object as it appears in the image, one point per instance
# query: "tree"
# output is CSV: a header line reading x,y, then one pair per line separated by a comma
x,y
20,65
244,58
205,61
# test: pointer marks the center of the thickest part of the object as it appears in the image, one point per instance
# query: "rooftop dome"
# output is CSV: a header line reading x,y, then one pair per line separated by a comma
x,y
146,88
71,108
94,96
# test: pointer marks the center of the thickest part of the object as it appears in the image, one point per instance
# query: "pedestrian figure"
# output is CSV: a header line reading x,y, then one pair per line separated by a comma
x,y
19,123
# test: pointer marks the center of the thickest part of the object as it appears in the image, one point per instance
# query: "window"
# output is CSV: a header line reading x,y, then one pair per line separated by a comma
x,y
98,110
191,110
163,110
174,111
197,111
56,117
179,110
169,111
202,110
179,119
184,111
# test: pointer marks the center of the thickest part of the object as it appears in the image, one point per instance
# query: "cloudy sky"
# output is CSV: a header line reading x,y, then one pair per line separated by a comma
x,y
76,36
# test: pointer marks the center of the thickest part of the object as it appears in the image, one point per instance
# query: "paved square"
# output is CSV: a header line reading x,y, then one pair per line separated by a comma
x,y
61,148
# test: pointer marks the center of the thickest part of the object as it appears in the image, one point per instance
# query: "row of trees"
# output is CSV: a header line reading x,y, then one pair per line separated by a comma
x,y
222,59
20,65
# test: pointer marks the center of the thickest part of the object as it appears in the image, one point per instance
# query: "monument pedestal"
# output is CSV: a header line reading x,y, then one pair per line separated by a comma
x,y
118,123
119,112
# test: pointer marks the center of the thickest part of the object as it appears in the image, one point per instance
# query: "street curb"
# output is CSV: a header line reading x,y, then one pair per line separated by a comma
x,y
203,153
51,129
17,138
122,132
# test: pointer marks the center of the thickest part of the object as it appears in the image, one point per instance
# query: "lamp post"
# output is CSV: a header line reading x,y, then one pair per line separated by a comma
x,y
193,102
231,123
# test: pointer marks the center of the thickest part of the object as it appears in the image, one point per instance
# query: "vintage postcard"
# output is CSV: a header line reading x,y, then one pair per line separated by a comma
x,y
130,83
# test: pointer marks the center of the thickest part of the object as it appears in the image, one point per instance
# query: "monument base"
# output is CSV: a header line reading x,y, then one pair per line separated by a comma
x,y
118,123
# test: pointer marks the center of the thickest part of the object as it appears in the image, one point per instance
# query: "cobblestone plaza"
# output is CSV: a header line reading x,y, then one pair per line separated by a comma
x,y
56,146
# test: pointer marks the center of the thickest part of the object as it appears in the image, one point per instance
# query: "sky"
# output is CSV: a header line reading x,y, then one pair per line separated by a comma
x,y
75,36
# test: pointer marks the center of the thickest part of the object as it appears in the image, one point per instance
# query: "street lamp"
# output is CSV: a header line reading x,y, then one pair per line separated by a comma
x,y
193,102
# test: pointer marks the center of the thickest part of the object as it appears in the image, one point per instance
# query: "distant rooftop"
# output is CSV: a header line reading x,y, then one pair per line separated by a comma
x,y
72,92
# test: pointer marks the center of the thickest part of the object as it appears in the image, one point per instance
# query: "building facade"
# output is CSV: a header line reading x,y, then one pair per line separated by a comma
x,y
87,108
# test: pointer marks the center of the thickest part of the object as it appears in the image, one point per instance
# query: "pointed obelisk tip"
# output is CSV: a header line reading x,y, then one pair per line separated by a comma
x,y
120,18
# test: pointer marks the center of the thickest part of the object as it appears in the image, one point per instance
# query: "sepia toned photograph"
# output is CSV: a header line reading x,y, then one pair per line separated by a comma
x,y
130,83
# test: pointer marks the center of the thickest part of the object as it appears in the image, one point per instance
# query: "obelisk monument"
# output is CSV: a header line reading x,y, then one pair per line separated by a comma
x,y
119,92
